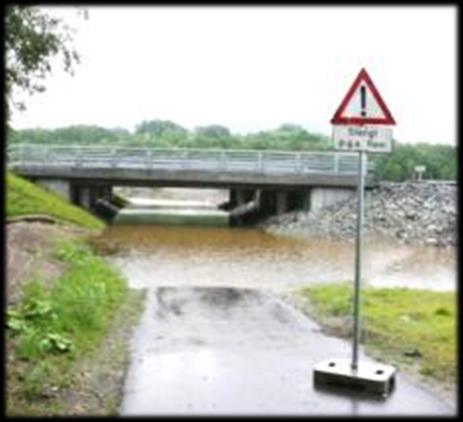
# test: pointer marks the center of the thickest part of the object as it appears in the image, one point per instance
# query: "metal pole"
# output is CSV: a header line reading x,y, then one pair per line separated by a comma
x,y
358,260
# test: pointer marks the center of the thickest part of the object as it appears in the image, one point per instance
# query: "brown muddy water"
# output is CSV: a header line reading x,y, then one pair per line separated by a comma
x,y
156,255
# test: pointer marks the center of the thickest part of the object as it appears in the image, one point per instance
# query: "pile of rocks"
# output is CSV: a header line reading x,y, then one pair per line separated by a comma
x,y
419,213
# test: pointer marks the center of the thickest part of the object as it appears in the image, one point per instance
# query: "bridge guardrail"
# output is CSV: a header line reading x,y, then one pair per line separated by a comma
x,y
257,161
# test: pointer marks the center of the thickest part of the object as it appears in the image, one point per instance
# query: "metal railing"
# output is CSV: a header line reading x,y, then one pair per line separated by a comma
x,y
255,161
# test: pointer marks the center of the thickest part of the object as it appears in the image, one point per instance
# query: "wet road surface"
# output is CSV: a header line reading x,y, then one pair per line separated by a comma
x,y
230,351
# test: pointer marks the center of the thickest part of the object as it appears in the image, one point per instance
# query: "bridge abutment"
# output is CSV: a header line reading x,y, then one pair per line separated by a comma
x,y
82,195
60,186
321,197
281,202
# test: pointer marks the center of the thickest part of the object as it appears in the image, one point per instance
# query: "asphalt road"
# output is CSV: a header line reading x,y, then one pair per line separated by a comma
x,y
227,351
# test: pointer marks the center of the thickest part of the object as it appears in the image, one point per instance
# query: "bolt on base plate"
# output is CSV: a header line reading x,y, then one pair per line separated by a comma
x,y
372,378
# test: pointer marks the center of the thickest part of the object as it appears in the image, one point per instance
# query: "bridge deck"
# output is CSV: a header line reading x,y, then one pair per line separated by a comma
x,y
187,167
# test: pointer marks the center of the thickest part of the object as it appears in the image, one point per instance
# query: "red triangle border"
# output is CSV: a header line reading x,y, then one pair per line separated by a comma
x,y
339,120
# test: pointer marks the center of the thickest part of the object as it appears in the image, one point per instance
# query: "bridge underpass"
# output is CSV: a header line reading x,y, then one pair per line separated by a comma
x,y
261,183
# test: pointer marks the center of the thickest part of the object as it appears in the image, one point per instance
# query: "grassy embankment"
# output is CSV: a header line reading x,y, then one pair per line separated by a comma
x,y
406,326
57,336
26,198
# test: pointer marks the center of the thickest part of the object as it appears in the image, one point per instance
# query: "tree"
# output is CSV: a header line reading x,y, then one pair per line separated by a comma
x,y
32,38
440,162
160,128
213,131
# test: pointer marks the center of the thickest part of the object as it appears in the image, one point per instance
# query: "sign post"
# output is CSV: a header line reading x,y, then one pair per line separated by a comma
x,y
361,123
358,260
419,170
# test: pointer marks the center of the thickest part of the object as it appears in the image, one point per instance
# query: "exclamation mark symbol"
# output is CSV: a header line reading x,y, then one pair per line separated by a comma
x,y
363,101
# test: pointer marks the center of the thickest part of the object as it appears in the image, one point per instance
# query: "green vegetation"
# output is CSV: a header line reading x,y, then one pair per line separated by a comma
x,y
404,325
33,40
119,201
67,338
56,326
167,134
440,160
23,198
77,135
73,312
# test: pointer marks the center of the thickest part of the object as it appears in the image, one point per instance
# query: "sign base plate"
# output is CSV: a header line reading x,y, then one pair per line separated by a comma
x,y
371,378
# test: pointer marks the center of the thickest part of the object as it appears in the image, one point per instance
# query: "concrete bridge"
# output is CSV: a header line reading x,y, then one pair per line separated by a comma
x,y
271,181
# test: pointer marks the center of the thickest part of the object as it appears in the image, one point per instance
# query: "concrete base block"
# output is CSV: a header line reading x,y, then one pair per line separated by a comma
x,y
372,378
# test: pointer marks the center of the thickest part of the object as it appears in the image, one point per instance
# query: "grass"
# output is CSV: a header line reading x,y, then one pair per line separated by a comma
x,y
52,328
24,198
405,325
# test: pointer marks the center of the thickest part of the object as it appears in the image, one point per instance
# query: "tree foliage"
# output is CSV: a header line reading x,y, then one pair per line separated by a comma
x,y
159,128
440,160
32,38
213,131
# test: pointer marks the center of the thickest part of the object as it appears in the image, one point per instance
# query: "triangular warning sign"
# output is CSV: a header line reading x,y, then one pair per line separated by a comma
x,y
363,105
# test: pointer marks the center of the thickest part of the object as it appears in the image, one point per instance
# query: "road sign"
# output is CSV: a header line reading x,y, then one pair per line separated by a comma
x,y
360,124
363,105
362,138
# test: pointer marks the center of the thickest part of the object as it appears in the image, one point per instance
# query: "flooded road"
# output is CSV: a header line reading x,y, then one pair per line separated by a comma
x,y
153,255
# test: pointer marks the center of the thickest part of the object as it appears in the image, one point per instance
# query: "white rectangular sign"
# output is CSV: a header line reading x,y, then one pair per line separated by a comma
x,y
362,138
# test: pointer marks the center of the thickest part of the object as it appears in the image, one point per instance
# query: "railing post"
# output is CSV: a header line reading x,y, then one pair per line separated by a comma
x,y
149,158
336,163
113,157
23,154
223,161
260,161
79,157
299,162
185,159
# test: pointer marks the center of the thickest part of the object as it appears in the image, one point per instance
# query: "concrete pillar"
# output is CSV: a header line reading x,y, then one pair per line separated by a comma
x,y
269,203
93,197
59,186
102,192
85,199
232,199
240,197
105,192
75,194
306,201
281,202
299,200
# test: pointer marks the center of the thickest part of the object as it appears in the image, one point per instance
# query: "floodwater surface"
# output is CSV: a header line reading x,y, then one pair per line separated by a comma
x,y
155,255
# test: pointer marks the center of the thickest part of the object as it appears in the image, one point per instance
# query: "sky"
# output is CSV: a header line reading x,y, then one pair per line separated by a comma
x,y
253,68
